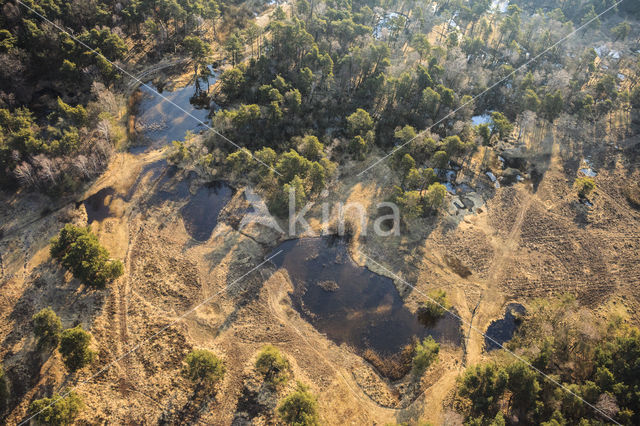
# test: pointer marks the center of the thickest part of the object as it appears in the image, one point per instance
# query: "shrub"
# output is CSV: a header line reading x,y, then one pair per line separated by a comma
x,y
79,250
299,408
433,309
359,123
272,365
440,159
358,147
523,384
410,204
500,125
240,161
584,186
435,195
426,353
74,348
57,410
77,114
484,132
279,203
178,153
311,148
204,367
47,328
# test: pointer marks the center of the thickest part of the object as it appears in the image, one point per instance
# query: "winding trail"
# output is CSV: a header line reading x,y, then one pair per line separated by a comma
x,y
503,255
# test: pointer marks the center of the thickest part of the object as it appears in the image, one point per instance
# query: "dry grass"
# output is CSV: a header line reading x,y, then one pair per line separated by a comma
x,y
393,367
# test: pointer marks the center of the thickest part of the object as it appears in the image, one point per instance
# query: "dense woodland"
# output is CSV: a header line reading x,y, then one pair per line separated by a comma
x,y
61,100
351,80
592,360
322,87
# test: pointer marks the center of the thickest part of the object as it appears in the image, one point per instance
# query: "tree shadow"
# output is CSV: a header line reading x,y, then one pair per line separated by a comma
x,y
73,302
255,401
196,405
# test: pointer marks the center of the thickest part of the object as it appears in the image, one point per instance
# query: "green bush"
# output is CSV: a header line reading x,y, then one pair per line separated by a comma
x,y
80,251
435,195
500,125
47,328
204,367
358,147
584,186
74,348
440,159
432,310
300,408
57,410
279,203
272,365
426,353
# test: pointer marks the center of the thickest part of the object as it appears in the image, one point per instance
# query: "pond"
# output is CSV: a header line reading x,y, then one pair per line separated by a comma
x,y
160,121
200,214
350,303
97,205
502,330
200,209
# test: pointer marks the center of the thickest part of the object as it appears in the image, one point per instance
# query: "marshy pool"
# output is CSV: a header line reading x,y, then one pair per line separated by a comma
x,y
97,205
350,303
200,214
201,208
160,121
502,330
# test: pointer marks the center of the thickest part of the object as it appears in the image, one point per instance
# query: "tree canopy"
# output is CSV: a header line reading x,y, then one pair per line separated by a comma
x,y
74,348
79,250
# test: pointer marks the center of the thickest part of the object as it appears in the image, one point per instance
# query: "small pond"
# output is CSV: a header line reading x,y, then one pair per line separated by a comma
x,y
200,214
200,209
161,122
350,303
502,330
97,205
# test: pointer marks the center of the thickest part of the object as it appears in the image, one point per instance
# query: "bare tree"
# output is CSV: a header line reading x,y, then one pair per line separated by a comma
x,y
25,174
105,99
48,170
82,166
104,130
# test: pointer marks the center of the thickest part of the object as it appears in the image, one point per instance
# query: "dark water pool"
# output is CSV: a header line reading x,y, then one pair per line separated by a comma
x,y
200,214
97,205
350,303
161,122
502,330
